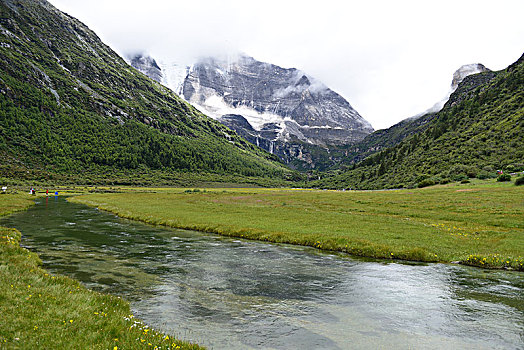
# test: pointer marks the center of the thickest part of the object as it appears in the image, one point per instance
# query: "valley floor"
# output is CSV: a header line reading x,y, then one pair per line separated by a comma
x,y
479,224
42,311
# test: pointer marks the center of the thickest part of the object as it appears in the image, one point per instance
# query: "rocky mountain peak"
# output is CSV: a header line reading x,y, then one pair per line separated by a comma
x,y
464,71
304,108
303,81
278,109
459,75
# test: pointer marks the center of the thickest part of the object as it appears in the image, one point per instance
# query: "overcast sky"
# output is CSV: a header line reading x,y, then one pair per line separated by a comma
x,y
389,59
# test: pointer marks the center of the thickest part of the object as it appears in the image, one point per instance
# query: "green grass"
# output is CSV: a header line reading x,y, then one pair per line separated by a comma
x,y
464,223
42,311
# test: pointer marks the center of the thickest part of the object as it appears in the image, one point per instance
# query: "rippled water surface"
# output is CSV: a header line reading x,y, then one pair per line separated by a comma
x,y
227,293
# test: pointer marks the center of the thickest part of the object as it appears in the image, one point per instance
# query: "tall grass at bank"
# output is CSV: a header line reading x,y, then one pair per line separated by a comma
x,y
42,311
463,223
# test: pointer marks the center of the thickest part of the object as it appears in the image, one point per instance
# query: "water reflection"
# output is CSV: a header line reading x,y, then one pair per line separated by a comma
x,y
229,293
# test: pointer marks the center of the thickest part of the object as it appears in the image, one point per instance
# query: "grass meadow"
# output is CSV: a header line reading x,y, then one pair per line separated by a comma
x,y
479,224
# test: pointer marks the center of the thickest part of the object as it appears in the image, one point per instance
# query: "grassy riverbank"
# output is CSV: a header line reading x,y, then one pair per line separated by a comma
x,y
42,311
479,224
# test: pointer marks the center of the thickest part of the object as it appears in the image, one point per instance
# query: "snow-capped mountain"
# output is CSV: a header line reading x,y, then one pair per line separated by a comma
x,y
295,105
465,71
284,111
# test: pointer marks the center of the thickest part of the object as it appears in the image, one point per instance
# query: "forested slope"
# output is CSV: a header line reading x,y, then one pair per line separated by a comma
x,y
72,109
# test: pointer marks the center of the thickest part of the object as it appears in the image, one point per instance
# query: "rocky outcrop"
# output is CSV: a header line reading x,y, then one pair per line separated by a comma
x,y
465,71
146,65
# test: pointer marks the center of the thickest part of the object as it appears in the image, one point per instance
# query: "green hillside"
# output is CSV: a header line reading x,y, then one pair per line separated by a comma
x,y
72,110
479,130
383,139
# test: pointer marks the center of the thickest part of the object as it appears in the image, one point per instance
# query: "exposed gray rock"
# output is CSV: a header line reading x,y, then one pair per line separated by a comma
x,y
296,104
295,153
240,124
464,71
146,65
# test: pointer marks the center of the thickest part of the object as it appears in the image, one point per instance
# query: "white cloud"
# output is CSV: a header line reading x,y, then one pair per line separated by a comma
x,y
390,59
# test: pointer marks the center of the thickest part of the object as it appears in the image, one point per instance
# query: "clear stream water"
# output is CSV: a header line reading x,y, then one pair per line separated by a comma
x,y
234,294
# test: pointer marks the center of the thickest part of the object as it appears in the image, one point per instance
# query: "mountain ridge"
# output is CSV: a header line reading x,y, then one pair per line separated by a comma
x,y
384,138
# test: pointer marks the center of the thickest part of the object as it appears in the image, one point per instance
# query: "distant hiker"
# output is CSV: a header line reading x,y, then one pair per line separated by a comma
x,y
33,192
47,192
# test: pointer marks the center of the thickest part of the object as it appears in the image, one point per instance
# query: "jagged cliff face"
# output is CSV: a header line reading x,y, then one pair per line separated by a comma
x,y
296,154
294,105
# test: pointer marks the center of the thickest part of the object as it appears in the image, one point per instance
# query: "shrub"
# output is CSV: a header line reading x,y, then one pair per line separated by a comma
x,y
504,177
459,177
458,169
519,181
514,167
425,183
421,178
445,181
472,172
483,175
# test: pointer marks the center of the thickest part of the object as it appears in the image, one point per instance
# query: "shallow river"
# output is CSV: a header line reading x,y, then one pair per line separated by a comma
x,y
234,294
